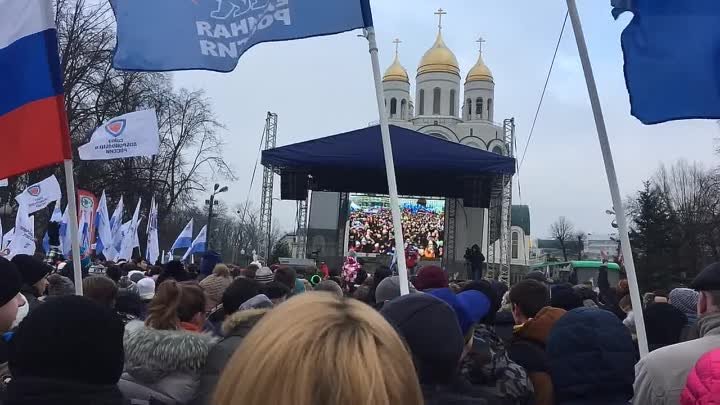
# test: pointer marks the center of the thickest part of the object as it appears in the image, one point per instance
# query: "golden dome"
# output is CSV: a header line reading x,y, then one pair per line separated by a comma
x,y
439,59
396,72
479,72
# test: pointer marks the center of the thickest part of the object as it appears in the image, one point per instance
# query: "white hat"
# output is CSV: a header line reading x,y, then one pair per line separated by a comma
x,y
146,288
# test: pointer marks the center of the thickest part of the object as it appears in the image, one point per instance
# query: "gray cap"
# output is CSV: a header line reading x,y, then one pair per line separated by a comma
x,y
389,289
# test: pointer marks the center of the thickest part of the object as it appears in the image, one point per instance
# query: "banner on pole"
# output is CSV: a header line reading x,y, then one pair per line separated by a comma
x,y
129,135
87,203
162,35
39,195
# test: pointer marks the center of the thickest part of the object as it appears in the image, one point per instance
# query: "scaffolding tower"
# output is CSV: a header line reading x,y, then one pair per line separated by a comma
x,y
301,232
266,200
499,213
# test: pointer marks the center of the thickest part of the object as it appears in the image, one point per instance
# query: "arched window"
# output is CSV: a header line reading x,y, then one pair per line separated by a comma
x,y
498,149
436,101
393,107
515,247
490,109
469,108
479,107
421,107
403,109
452,102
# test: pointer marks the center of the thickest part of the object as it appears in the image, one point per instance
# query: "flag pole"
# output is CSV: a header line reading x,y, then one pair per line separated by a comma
x,y
389,163
612,177
73,225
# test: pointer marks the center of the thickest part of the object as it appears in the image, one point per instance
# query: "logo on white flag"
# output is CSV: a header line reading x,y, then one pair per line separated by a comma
x,y
116,127
130,135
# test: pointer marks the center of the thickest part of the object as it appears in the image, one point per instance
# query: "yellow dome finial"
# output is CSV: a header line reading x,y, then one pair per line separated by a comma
x,y
480,72
396,71
439,59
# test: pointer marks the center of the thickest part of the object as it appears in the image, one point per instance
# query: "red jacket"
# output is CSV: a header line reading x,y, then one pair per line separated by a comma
x,y
703,382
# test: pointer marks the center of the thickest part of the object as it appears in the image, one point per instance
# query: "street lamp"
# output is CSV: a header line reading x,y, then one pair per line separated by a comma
x,y
211,203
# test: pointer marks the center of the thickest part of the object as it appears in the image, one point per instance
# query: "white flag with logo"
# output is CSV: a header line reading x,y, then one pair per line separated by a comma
x,y
152,252
39,195
23,241
129,135
130,238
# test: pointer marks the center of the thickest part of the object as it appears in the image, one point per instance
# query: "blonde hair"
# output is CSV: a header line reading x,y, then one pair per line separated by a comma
x,y
330,350
221,270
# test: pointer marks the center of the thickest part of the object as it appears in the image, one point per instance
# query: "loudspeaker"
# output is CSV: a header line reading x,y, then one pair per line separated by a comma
x,y
293,186
476,193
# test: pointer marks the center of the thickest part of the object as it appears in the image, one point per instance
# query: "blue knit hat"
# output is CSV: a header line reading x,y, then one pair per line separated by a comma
x,y
469,306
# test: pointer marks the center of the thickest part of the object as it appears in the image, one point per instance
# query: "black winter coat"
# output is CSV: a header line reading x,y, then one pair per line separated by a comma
x,y
235,328
37,391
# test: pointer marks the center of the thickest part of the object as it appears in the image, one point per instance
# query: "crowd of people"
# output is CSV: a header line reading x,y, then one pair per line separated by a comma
x,y
218,334
371,231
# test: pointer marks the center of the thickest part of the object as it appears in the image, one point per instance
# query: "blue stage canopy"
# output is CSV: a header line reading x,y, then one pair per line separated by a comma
x,y
424,165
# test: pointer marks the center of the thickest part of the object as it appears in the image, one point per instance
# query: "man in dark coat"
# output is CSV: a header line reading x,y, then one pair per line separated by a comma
x,y
533,319
33,272
243,306
10,283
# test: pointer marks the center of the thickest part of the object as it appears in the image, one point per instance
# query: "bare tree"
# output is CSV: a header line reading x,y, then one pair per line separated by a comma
x,y
563,231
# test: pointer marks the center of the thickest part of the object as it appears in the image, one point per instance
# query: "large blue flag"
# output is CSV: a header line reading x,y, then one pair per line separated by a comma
x,y
672,58
162,35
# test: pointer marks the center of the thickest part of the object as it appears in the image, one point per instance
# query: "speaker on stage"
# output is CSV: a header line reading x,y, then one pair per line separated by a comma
x,y
293,186
476,193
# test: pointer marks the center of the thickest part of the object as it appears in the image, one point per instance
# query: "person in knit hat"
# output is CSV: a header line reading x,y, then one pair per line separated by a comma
x,y
686,299
389,289
430,277
264,275
33,272
436,351
215,285
329,286
59,286
10,283
70,352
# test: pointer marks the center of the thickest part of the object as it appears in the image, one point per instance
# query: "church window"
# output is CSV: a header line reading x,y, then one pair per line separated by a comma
x,y
393,107
452,102
498,149
436,101
490,109
422,102
403,109
515,243
479,107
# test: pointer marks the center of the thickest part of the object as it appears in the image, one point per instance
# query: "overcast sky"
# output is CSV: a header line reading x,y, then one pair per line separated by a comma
x,y
323,86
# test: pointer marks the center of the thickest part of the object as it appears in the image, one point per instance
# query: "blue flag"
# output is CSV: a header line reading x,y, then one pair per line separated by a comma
x,y
672,58
162,35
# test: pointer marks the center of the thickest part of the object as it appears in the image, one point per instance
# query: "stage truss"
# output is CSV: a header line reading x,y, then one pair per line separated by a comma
x,y
266,199
498,248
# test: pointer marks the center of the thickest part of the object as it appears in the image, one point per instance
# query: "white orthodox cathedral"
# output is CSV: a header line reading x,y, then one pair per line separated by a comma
x,y
440,109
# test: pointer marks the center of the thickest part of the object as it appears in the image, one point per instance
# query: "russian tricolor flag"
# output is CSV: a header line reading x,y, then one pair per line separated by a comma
x,y
33,123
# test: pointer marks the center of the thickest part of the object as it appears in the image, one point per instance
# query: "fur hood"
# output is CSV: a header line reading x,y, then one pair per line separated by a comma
x,y
241,322
151,354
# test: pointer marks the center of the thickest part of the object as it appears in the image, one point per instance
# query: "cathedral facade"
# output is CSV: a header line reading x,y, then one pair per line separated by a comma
x,y
459,111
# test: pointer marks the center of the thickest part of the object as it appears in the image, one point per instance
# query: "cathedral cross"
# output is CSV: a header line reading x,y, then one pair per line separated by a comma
x,y
397,43
440,13
481,41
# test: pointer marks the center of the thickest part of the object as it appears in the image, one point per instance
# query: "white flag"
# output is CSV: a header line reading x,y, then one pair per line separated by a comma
x,y
7,238
65,240
3,182
153,246
184,240
130,238
198,245
23,241
129,135
103,233
57,213
39,195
